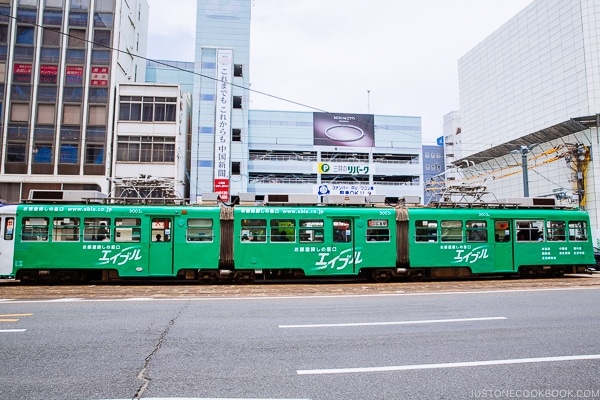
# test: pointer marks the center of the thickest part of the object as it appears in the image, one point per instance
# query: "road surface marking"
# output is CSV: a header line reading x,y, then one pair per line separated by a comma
x,y
12,330
430,321
446,365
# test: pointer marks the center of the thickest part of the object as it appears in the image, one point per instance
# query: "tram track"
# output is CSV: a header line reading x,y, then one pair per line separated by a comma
x,y
11,290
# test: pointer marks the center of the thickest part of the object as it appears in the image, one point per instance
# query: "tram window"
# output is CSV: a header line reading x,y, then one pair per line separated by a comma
x,y
65,229
34,229
283,230
452,231
96,229
578,230
502,231
254,229
530,231
311,231
556,231
161,230
476,231
199,230
342,232
128,230
378,230
9,228
426,231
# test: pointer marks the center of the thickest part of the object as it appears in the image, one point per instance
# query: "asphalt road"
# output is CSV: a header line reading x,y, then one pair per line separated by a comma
x,y
466,339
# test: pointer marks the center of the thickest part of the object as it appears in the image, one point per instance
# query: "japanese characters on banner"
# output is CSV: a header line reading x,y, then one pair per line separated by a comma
x,y
74,75
223,123
99,76
22,73
49,74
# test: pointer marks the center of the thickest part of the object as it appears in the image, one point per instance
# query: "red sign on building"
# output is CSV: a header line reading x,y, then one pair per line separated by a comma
x,y
222,189
99,76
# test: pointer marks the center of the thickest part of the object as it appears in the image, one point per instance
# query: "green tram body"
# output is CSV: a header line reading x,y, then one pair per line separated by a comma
x,y
110,240
210,243
528,241
315,241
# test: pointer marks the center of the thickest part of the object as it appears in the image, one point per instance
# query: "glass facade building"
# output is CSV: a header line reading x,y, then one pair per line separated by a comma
x,y
60,61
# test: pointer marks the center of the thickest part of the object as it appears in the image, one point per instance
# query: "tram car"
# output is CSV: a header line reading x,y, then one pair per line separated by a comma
x,y
287,238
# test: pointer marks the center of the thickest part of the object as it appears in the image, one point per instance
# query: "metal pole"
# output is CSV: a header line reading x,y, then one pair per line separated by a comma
x,y
524,151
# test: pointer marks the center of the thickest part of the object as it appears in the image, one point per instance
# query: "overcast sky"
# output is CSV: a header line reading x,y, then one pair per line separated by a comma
x,y
391,57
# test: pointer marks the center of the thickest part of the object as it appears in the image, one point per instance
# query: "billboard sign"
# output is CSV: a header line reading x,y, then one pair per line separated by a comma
x,y
352,130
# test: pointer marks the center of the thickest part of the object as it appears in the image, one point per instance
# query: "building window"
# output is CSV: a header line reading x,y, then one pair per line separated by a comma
x,y
19,112
101,57
80,4
69,144
78,19
97,115
236,135
98,95
103,20
238,70
236,168
101,38
77,38
146,149
75,56
46,113
43,144
21,92
28,15
50,55
147,109
94,153
237,101
53,18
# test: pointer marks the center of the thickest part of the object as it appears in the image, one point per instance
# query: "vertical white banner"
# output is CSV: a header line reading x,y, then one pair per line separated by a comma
x,y
222,166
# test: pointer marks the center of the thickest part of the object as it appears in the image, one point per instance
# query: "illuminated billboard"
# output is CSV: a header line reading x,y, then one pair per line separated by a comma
x,y
352,130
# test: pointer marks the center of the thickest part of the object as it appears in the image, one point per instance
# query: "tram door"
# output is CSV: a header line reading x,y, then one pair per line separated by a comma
x,y
161,246
344,260
503,246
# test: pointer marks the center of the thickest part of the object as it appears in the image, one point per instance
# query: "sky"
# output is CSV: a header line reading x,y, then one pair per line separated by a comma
x,y
387,57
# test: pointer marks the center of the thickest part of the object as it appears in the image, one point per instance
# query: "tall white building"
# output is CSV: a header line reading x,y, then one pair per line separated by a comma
x,y
530,97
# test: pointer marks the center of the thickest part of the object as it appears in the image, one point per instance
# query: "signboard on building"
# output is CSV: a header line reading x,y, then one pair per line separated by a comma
x,y
344,168
363,189
222,168
22,73
74,75
353,130
49,74
99,76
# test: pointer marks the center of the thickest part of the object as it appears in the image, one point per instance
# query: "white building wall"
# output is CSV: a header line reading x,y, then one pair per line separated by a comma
x,y
178,129
533,72
539,69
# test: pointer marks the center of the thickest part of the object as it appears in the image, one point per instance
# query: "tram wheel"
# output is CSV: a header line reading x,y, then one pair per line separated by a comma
x,y
381,275
244,277
207,277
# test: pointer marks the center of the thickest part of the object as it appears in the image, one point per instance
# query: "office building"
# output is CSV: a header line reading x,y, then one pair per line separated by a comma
x,y
530,99
236,150
61,61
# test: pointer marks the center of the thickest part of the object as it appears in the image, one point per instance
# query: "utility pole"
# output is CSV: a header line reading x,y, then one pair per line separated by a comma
x,y
524,150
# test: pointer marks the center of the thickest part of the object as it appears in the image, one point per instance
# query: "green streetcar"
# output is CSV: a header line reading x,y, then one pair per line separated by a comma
x,y
242,243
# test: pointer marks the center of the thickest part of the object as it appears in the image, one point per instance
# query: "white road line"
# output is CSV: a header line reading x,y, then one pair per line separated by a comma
x,y
446,365
430,321
12,330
